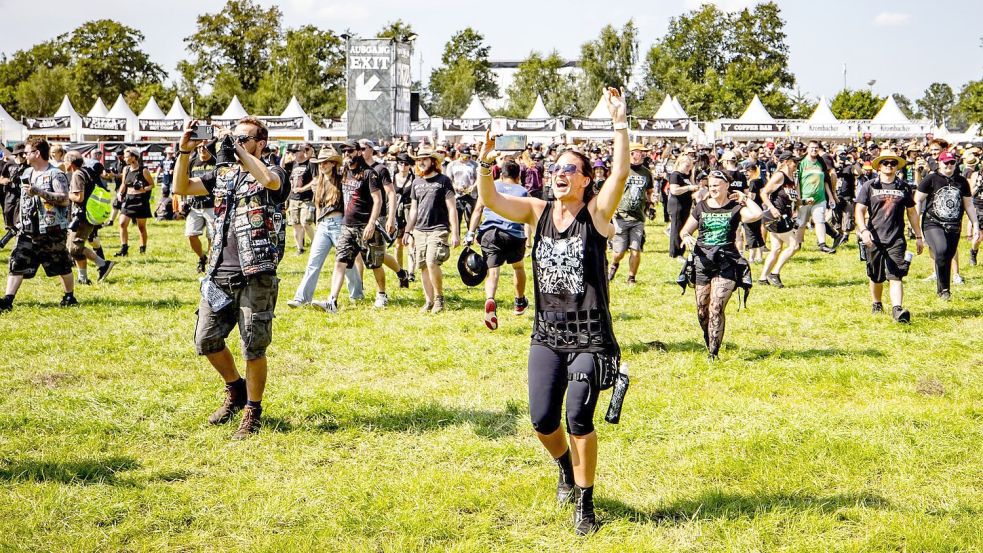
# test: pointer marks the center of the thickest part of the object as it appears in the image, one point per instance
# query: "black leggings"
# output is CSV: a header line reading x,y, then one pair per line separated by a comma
x,y
943,244
547,384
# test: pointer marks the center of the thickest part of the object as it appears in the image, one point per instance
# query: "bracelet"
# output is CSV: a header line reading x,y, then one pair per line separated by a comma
x,y
188,153
485,164
620,126
487,172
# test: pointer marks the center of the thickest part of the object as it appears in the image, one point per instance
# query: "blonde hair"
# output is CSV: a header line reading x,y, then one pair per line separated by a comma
x,y
327,188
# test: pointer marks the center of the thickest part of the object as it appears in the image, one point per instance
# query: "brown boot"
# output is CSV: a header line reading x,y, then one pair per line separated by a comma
x,y
250,423
235,400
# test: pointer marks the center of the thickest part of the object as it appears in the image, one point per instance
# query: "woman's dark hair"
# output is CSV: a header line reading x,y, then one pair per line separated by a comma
x,y
587,170
511,170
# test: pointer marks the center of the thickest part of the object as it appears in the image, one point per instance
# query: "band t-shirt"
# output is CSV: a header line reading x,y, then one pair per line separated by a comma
x,y
886,204
431,202
717,225
944,204
357,189
300,175
632,206
197,168
738,181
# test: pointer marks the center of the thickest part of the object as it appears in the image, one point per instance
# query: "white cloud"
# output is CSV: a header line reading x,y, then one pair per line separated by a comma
x,y
891,19
725,5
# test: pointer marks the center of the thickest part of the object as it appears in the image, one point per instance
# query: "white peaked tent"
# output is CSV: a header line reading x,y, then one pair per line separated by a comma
x,y
177,111
822,114
121,110
823,124
152,110
597,125
10,128
756,113
99,109
667,122
600,110
679,108
476,110
539,109
667,110
64,110
755,122
891,122
890,114
234,111
309,129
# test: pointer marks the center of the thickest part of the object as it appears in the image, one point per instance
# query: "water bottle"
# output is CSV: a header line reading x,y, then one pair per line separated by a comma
x,y
908,256
618,395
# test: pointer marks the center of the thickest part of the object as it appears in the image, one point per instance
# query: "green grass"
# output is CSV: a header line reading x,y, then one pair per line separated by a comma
x,y
822,427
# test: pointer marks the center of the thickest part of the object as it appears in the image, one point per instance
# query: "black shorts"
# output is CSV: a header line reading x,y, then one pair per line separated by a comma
x,y
501,248
137,206
45,250
721,261
886,261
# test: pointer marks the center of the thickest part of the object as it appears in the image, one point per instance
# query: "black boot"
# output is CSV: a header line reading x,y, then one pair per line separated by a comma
x,y
123,251
143,249
584,519
564,485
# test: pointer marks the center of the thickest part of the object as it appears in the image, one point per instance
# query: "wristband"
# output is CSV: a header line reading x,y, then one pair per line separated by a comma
x,y
485,164
620,126
188,153
486,173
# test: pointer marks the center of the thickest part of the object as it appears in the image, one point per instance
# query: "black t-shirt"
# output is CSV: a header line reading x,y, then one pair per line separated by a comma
x,y
680,179
385,179
739,181
358,189
944,204
300,174
886,205
431,202
846,186
196,169
783,198
229,262
718,225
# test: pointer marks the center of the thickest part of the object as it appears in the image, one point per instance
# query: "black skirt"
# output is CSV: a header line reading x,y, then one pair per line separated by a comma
x,y
137,206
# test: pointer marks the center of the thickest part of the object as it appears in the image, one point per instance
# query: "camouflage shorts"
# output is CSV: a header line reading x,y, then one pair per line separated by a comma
x,y
251,309
41,250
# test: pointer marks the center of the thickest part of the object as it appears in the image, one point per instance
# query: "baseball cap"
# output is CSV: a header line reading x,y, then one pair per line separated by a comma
x,y
785,156
19,149
366,143
946,156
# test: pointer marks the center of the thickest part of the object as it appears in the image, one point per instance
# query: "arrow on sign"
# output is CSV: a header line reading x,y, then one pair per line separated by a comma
x,y
364,90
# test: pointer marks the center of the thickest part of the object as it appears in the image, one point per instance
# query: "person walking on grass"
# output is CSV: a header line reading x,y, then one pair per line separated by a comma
x,y
502,242
240,287
572,331
816,184
84,180
629,219
201,209
134,196
882,204
778,205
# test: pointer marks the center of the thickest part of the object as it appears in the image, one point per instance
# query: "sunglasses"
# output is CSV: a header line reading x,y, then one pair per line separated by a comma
x,y
889,163
953,162
243,138
568,169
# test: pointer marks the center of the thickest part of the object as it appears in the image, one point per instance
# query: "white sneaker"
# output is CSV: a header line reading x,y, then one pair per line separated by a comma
x,y
330,306
958,279
930,278
295,304
381,300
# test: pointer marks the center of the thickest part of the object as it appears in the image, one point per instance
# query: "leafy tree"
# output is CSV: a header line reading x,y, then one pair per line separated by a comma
x,y
937,102
108,61
801,106
714,62
904,103
465,56
310,64
139,96
398,30
970,104
238,40
42,92
539,75
609,60
856,104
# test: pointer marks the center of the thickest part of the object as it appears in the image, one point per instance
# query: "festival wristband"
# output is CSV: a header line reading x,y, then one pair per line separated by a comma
x,y
485,164
182,152
621,126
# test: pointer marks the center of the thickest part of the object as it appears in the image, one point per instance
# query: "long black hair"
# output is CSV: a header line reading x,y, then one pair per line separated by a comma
x,y
585,170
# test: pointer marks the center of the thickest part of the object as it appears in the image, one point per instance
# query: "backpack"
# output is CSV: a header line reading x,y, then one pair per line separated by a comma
x,y
99,205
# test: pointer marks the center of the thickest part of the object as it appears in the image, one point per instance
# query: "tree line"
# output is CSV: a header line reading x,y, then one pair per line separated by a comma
x,y
713,61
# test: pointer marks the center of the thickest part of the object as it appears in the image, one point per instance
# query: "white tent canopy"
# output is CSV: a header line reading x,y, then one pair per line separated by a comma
x,y
539,109
99,109
668,110
756,113
600,110
476,110
293,109
66,109
10,128
822,114
177,111
679,108
152,110
309,128
890,114
121,109
235,110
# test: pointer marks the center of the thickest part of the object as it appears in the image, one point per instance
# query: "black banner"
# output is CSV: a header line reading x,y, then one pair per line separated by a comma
x,y
592,125
162,125
283,123
753,127
467,125
104,124
224,123
676,125
531,125
48,123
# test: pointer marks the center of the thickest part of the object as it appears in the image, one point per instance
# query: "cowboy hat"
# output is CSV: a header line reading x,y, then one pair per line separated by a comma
x,y
888,154
970,159
472,267
638,146
428,151
327,153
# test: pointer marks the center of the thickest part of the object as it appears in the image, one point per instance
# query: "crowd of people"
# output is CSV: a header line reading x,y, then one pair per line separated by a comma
x,y
578,210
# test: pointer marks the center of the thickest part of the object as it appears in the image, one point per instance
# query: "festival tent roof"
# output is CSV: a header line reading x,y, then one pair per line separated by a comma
x,y
667,110
756,113
293,109
235,110
423,114
539,109
121,109
600,110
10,128
890,114
476,110
152,110
177,111
66,109
99,109
823,114
679,108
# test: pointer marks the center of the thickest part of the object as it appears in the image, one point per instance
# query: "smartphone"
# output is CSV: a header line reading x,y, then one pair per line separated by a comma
x,y
510,143
203,132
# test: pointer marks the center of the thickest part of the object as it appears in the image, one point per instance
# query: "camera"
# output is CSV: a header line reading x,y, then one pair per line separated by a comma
x,y
226,153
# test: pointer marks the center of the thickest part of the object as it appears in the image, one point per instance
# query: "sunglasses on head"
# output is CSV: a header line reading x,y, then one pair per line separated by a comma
x,y
568,169
889,163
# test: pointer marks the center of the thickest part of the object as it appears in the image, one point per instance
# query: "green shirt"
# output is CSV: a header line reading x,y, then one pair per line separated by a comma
x,y
812,180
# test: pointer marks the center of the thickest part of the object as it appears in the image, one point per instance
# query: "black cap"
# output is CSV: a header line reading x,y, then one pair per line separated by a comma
x,y
351,145
19,149
785,156
799,146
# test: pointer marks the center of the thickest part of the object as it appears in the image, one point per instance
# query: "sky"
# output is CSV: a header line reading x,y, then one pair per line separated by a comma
x,y
878,40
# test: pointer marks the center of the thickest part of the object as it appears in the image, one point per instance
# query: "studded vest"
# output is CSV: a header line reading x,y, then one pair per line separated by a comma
x,y
249,209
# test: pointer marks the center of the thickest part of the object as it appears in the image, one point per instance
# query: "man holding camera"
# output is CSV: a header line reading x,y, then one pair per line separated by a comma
x,y
43,225
241,283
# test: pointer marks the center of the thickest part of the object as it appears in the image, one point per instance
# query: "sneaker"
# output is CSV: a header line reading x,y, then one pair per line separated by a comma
x,y
235,400
404,278
521,304
330,306
202,264
972,258
826,249
901,315
69,301
631,280
438,305
957,279
105,270
584,519
930,278
6,305
877,308
250,423
613,270
840,240
775,280
763,281
427,306
381,300
83,281
295,304
944,295
491,314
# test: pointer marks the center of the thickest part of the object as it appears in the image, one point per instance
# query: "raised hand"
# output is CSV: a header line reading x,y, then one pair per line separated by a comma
x,y
616,105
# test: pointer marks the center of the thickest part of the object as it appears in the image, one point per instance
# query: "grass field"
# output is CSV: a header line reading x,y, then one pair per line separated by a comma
x,y
822,427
